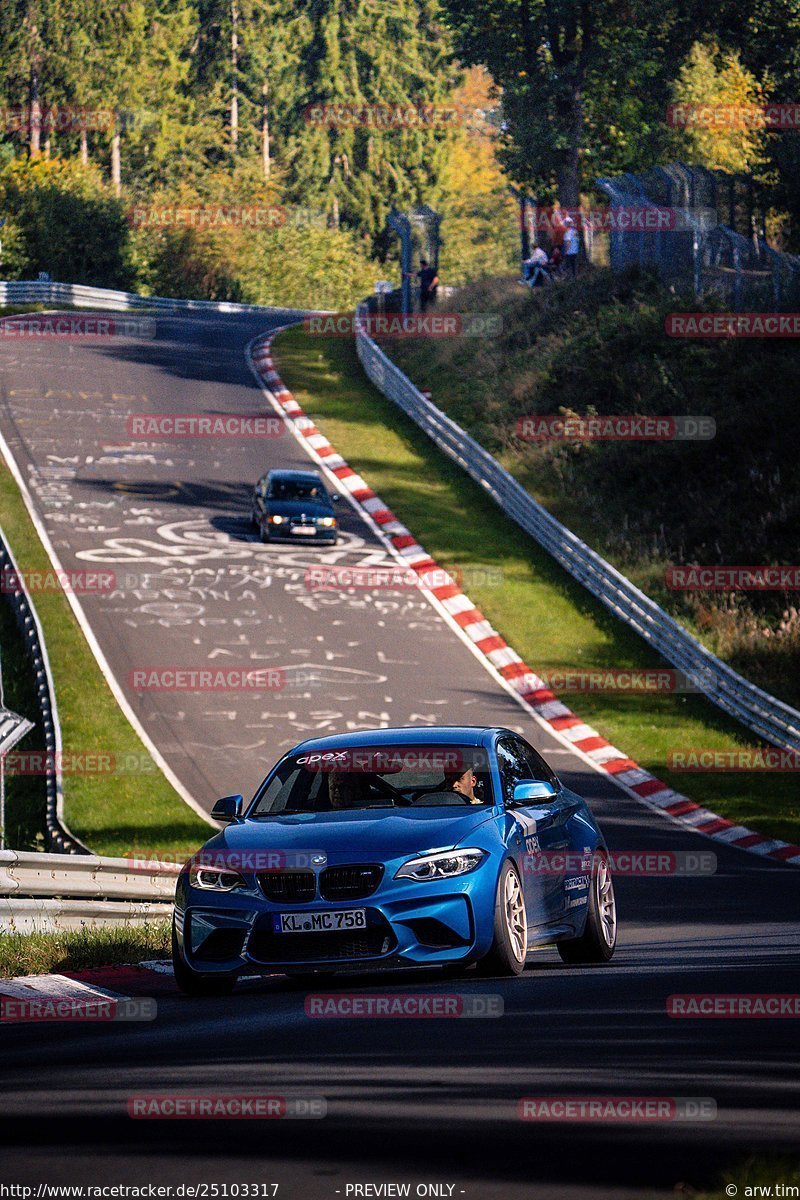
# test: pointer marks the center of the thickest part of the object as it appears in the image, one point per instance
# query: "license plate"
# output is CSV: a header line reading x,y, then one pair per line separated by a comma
x,y
305,530
320,922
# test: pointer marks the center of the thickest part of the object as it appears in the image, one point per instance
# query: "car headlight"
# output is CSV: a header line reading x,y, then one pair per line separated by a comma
x,y
443,865
212,879
276,520
327,521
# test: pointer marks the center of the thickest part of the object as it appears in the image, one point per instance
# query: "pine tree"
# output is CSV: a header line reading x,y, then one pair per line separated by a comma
x,y
370,53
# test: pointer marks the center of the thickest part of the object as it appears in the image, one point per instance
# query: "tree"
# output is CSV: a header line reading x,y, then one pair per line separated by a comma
x,y
480,235
717,79
377,55
571,73
539,52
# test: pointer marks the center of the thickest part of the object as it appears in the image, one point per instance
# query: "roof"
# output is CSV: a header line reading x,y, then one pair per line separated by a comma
x,y
407,735
281,474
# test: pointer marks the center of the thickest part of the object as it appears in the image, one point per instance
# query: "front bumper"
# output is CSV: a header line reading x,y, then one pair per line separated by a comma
x,y
407,924
323,533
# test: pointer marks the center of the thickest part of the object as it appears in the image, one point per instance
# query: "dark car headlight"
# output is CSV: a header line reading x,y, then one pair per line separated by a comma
x,y
328,521
214,879
276,520
443,865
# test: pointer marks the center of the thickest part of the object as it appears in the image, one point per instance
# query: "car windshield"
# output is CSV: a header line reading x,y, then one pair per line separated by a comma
x,y
377,777
295,489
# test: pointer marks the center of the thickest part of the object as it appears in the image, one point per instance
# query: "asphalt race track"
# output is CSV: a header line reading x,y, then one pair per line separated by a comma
x,y
432,1100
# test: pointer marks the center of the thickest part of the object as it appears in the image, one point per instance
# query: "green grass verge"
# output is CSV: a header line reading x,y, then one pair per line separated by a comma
x,y
46,953
755,1174
110,813
25,795
549,619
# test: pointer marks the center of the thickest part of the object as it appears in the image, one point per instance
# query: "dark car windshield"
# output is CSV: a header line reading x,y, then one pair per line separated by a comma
x,y
377,777
296,489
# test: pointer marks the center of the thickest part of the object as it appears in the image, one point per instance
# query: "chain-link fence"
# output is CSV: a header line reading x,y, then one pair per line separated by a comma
x,y
706,233
418,231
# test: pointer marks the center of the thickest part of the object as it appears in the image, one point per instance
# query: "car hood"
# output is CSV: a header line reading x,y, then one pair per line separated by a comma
x,y
383,833
298,508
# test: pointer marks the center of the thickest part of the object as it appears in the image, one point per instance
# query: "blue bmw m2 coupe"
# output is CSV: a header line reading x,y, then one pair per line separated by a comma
x,y
396,847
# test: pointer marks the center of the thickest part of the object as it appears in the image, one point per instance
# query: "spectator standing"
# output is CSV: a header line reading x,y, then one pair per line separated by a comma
x,y
571,247
428,283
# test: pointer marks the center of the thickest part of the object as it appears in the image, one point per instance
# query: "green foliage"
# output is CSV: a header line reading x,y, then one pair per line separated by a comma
x,y
585,82
289,266
64,221
716,79
369,53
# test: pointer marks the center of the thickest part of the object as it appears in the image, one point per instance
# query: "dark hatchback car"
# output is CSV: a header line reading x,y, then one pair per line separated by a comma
x,y
294,506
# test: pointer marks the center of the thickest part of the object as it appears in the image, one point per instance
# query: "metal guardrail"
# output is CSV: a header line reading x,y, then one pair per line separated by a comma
x,y
58,835
62,916
37,291
56,891
760,712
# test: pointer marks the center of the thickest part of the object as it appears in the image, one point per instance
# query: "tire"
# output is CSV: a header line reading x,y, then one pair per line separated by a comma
x,y
510,945
599,938
191,982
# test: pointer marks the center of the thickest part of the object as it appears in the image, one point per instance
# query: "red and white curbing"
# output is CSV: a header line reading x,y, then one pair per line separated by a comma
x,y
92,994
530,689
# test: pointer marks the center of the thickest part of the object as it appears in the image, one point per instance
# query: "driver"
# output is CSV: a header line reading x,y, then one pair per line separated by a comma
x,y
347,789
463,782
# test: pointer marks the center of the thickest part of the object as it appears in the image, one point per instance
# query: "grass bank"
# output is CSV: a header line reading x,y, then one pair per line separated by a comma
x,y
547,617
598,346
50,953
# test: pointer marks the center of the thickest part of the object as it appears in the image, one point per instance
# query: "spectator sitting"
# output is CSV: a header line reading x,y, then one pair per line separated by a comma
x,y
535,268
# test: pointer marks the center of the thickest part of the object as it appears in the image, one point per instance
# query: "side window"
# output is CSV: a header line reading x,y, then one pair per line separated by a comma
x,y
537,767
513,766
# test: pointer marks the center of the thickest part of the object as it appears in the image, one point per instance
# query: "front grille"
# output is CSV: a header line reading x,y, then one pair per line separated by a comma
x,y
288,887
268,947
350,882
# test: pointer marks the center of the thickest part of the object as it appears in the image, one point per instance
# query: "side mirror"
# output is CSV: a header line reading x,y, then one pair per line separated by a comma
x,y
529,791
229,808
